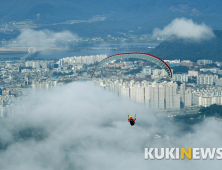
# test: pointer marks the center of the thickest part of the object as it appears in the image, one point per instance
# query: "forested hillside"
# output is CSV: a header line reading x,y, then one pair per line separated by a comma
x,y
191,50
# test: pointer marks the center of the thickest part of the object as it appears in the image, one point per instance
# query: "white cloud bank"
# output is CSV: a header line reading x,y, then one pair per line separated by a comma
x,y
86,128
187,29
43,38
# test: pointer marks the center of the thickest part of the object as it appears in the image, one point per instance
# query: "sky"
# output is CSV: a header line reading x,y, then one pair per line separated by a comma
x,y
82,126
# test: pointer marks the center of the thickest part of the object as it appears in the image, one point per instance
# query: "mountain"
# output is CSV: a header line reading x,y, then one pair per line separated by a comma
x,y
124,14
191,50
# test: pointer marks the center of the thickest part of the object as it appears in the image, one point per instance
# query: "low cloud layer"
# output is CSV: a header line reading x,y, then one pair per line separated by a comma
x,y
187,29
81,126
43,38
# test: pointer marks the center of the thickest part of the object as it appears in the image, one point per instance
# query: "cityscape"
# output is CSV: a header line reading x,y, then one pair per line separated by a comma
x,y
185,92
106,85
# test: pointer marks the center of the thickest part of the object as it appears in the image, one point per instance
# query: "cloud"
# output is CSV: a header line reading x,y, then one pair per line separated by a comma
x,y
187,29
81,126
43,38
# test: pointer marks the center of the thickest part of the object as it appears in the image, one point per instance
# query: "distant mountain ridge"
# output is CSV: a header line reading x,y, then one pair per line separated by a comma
x,y
190,50
146,14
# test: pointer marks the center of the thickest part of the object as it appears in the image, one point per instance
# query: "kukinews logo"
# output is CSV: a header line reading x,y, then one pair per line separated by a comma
x,y
181,153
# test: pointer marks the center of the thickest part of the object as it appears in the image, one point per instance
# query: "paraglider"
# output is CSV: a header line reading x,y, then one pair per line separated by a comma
x,y
144,56
131,120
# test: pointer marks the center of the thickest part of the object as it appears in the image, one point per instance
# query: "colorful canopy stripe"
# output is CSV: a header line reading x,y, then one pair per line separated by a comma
x,y
144,56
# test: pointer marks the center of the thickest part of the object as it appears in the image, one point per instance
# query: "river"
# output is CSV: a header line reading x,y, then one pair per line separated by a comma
x,y
107,48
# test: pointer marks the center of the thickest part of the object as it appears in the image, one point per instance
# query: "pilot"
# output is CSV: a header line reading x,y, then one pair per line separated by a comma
x,y
131,120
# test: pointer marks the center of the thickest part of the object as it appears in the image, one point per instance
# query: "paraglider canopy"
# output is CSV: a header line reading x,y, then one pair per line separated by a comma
x,y
144,56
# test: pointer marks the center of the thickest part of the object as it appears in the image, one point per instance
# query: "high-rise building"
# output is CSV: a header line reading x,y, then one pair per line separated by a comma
x,y
154,98
35,64
207,97
140,94
206,79
172,97
28,63
188,98
133,93
177,102
147,96
180,77
155,95
156,72
182,93
78,60
169,97
161,97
